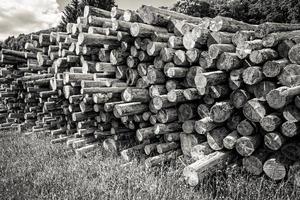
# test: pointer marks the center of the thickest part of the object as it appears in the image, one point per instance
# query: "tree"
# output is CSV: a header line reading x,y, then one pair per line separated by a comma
x,y
70,14
75,9
251,11
195,8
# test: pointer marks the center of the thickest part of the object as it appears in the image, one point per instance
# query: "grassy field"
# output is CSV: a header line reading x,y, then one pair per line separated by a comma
x,y
31,168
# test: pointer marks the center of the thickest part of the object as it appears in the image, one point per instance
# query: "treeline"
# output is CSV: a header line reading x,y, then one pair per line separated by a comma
x,y
251,11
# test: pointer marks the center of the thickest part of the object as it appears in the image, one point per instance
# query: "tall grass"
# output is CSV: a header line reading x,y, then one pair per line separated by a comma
x,y
31,168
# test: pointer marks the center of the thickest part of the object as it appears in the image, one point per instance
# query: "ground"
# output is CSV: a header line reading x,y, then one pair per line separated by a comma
x,y
32,168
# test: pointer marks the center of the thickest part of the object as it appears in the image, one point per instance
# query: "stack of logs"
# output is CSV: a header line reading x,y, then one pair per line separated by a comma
x,y
163,84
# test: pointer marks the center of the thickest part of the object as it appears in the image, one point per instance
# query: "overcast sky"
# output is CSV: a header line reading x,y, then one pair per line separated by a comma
x,y
26,16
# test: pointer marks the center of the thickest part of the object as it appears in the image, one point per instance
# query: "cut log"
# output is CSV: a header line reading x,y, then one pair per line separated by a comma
x,y
135,95
289,75
290,129
200,150
160,129
246,145
230,140
263,55
254,110
221,111
215,138
246,128
274,140
166,147
279,97
188,141
167,115
276,167
126,109
194,173
294,54
230,25
271,27
205,125
270,122
145,30
254,163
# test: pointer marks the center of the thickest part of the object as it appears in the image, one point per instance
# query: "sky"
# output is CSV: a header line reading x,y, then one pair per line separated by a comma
x,y
26,16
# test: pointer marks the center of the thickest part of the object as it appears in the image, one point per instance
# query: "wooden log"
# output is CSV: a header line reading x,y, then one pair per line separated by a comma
x,y
154,48
116,12
166,147
273,39
246,145
97,39
200,150
118,57
294,54
193,55
94,11
291,113
274,140
145,30
244,49
195,172
188,141
206,62
126,109
230,25
230,140
253,75
160,129
270,122
215,138
195,39
221,111
262,89
254,110
159,16
246,128
276,167
271,27
290,129
242,36
191,94
215,50
132,152
205,125
263,55
236,79
239,98
289,74
221,37
254,163
187,111
135,94
279,97
167,115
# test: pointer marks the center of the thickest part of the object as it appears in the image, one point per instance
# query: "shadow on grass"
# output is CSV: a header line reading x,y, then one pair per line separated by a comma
x,y
31,168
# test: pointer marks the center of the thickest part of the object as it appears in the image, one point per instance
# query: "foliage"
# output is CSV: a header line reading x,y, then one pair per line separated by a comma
x,y
32,168
76,7
195,8
18,43
251,11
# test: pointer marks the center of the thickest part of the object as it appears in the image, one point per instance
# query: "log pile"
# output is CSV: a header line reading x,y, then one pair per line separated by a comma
x,y
163,84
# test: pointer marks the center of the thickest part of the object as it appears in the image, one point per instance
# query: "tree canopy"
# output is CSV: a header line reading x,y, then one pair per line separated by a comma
x,y
251,11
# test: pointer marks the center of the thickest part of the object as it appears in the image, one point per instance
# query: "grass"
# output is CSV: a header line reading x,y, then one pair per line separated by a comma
x,y
31,168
